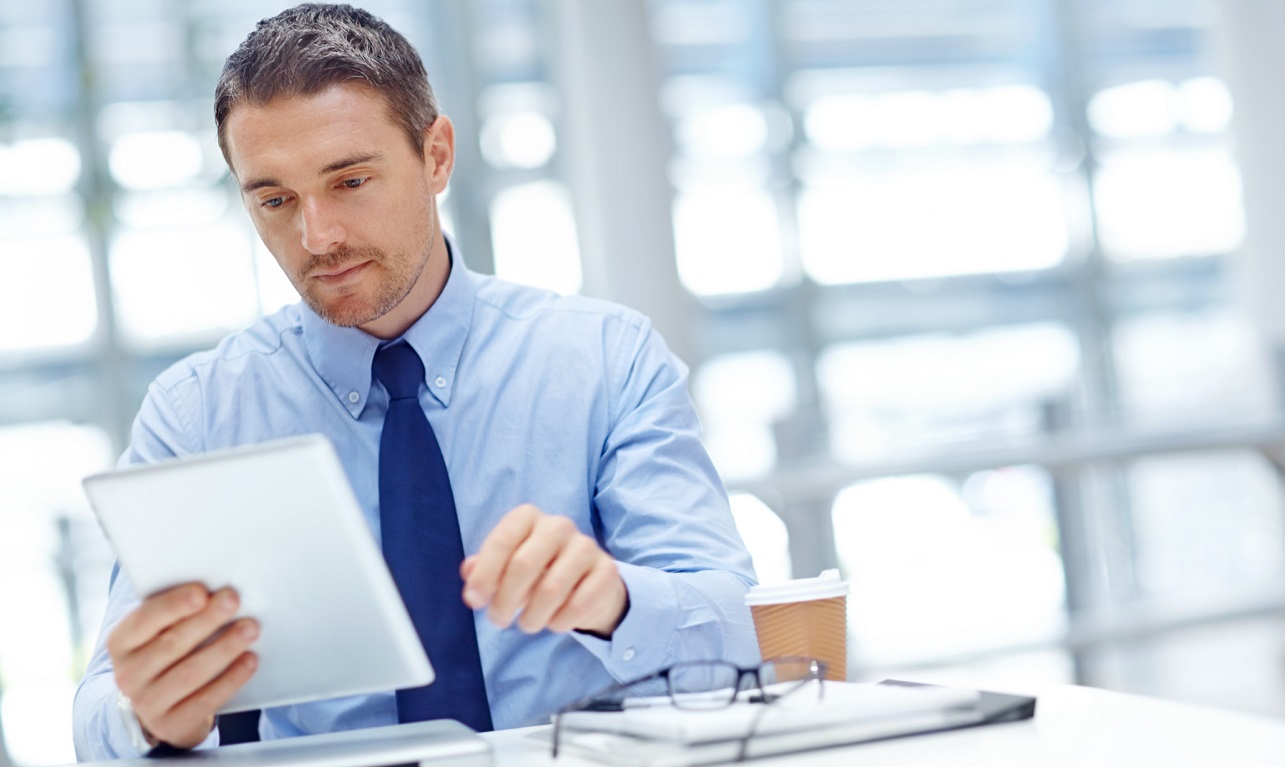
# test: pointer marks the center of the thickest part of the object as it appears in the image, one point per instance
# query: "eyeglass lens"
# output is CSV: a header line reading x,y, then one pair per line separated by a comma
x,y
779,670
703,685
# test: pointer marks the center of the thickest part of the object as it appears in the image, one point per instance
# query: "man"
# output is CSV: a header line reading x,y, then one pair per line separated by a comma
x,y
598,538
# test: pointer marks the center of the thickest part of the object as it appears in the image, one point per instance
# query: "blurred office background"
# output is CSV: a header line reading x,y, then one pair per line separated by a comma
x,y
977,297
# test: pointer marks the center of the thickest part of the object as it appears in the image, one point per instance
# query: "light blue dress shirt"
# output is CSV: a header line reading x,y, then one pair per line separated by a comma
x,y
572,404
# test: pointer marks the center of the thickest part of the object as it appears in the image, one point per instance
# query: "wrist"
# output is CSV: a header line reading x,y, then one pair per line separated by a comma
x,y
605,628
139,738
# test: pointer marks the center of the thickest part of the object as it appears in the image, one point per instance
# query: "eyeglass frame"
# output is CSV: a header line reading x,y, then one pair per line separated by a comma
x,y
595,702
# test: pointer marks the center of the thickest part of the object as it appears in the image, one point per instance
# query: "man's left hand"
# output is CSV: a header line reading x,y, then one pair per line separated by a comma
x,y
541,566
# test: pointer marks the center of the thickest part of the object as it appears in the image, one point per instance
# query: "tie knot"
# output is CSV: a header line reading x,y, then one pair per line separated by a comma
x,y
399,369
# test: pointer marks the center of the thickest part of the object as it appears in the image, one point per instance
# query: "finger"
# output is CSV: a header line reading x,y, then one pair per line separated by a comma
x,y
157,613
193,717
466,566
201,667
173,644
489,562
591,595
573,563
528,565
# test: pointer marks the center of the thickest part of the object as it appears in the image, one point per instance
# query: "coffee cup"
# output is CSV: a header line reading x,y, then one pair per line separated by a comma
x,y
804,617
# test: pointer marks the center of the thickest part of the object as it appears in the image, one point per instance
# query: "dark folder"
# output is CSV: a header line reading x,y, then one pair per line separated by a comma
x,y
995,707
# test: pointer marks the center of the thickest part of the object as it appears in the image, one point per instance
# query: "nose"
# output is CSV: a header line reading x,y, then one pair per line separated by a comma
x,y
321,230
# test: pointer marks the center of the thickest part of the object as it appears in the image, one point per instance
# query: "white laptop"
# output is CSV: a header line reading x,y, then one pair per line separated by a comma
x,y
279,523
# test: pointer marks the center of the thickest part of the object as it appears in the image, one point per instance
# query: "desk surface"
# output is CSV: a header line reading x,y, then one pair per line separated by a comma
x,y
1073,726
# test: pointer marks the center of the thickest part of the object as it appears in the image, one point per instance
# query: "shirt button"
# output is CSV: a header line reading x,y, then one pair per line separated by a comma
x,y
439,382
354,397
628,654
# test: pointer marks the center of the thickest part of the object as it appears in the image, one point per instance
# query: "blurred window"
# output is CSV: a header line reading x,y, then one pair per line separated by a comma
x,y
533,232
48,544
1185,549
155,271
942,225
765,535
938,568
56,304
740,397
892,395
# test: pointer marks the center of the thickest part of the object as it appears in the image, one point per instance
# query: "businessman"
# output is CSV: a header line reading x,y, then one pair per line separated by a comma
x,y
530,462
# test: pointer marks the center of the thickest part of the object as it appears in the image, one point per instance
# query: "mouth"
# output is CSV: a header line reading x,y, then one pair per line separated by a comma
x,y
341,274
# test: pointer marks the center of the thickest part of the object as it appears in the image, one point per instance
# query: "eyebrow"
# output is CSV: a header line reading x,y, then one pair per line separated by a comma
x,y
338,165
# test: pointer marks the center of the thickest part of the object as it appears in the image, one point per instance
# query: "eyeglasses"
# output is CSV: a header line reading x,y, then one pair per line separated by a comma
x,y
705,685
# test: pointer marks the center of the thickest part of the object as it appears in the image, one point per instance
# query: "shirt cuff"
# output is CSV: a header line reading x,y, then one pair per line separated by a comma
x,y
133,728
138,738
640,644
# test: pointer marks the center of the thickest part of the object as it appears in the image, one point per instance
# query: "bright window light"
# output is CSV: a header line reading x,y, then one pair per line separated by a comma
x,y
1206,105
41,468
40,166
1145,108
55,305
521,140
750,387
275,290
34,216
734,130
533,232
172,207
928,579
1161,203
1182,549
907,119
173,285
905,392
843,123
932,221
727,240
1013,113
37,721
950,371
155,159
739,397
1161,381
766,537
740,450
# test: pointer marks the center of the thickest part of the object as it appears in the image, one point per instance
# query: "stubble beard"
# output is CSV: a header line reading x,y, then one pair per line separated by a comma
x,y
401,273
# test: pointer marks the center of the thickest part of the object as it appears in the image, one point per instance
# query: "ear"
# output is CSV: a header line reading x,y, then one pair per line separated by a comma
x,y
439,152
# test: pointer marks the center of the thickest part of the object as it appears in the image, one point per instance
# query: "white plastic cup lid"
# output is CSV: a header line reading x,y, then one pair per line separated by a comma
x,y
827,585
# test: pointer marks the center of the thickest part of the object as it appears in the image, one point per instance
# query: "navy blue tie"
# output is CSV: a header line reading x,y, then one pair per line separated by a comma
x,y
422,544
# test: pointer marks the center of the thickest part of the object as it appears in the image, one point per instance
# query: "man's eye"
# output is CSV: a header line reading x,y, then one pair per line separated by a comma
x,y
353,183
273,202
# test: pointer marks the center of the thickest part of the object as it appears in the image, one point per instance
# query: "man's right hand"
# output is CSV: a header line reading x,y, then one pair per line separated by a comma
x,y
175,680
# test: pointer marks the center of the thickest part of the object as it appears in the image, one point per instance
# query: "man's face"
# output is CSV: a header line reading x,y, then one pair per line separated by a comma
x,y
339,197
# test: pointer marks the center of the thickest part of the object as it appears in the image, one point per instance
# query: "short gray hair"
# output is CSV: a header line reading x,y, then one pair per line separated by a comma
x,y
310,47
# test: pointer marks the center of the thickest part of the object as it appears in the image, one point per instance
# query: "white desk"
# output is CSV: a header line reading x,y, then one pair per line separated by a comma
x,y
1073,726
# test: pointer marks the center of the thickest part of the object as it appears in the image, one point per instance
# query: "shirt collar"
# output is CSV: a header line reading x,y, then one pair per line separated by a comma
x,y
343,356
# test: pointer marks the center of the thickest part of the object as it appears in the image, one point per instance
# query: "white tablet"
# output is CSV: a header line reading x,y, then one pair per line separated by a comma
x,y
279,523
